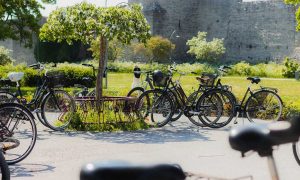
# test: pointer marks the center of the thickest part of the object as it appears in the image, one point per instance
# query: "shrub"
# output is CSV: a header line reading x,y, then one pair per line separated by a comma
x,y
291,66
156,49
4,56
204,50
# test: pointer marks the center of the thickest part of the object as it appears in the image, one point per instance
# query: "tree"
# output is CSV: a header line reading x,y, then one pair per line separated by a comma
x,y
297,14
157,49
115,48
85,22
19,19
204,50
4,56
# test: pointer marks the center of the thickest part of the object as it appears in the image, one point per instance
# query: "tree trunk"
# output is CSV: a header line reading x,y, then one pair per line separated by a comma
x,y
99,83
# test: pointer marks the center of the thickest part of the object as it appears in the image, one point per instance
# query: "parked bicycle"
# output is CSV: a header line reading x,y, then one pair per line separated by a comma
x,y
261,105
17,132
54,107
162,104
87,81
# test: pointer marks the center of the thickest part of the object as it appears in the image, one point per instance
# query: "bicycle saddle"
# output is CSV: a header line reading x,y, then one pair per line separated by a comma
x,y
261,137
121,170
253,80
15,76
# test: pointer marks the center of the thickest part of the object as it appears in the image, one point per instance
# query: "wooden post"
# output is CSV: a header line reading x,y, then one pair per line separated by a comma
x,y
99,83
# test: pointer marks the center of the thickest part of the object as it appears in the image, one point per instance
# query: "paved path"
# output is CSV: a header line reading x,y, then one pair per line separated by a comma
x,y
59,156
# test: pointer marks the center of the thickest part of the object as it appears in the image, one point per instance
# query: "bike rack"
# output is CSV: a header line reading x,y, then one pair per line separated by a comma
x,y
112,110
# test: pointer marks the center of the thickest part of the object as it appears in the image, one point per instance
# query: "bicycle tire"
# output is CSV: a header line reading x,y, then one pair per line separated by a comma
x,y
6,97
256,101
296,152
135,92
153,97
50,105
5,173
27,116
193,98
225,108
178,112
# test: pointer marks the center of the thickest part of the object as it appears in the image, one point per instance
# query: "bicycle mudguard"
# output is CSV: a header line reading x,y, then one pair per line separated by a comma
x,y
126,171
268,88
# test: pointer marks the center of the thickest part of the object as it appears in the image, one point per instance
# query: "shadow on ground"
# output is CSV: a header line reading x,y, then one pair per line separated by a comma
x,y
28,170
181,131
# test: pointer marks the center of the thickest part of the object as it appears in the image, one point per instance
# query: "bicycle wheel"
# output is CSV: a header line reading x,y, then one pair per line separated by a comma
x,y
5,173
18,132
156,104
58,108
177,112
6,97
263,106
216,108
296,152
192,112
135,92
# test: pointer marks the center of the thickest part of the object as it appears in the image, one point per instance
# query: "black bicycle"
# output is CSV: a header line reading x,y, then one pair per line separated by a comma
x,y
54,107
17,132
176,102
262,105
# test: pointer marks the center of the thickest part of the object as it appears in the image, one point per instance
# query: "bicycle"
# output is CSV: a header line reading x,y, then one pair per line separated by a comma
x,y
175,99
260,105
262,139
137,91
255,137
17,132
53,107
87,81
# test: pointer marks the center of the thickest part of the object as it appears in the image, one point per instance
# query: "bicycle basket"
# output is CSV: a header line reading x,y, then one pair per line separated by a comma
x,y
208,79
160,79
55,78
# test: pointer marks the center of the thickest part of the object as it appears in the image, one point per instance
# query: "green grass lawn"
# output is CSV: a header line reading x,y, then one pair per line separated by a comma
x,y
289,89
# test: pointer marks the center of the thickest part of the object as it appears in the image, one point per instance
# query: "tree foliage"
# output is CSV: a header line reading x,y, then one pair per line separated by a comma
x,y
206,50
19,19
4,56
156,49
115,49
297,14
85,22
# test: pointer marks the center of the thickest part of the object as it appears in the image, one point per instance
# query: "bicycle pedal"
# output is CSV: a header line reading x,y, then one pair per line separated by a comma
x,y
235,122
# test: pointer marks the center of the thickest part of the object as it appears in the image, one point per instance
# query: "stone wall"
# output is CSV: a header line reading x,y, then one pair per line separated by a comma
x,y
253,30
19,52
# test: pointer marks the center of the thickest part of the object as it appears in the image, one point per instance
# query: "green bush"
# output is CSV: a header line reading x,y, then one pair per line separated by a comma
x,y
291,66
262,70
157,49
206,50
4,56
73,73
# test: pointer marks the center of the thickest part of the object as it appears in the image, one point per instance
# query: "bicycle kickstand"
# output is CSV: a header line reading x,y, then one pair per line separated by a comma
x,y
236,117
